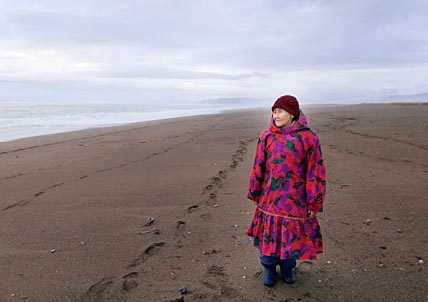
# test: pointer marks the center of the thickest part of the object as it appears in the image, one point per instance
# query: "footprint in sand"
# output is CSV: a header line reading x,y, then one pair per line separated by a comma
x,y
217,281
216,180
96,291
207,188
130,281
223,174
148,252
234,164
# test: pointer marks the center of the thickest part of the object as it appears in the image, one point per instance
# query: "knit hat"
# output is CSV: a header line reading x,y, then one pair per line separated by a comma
x,y
289,103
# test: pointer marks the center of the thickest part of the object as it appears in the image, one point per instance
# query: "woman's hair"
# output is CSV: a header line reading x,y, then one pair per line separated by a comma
x,y
296,118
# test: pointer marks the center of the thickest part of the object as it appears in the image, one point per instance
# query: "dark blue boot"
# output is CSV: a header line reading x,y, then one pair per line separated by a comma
x,y
287,270
269,275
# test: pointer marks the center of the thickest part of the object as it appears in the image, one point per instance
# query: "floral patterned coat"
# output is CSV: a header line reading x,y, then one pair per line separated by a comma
x,y
287,181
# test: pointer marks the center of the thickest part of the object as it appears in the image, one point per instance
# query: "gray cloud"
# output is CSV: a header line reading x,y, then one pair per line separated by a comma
x,y
162,73
209,49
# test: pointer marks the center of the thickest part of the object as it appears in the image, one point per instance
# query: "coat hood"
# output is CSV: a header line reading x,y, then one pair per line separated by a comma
x,y
299,125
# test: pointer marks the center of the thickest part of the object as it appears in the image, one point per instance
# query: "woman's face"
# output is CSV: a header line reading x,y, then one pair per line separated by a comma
x,y
282,118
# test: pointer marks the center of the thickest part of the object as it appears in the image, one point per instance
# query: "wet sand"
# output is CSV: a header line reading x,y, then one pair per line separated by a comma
x,y
76,211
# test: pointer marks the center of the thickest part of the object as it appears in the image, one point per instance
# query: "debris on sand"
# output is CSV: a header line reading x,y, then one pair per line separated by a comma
x,y
192,207
185,291
150,222
367,222
213,251
155,231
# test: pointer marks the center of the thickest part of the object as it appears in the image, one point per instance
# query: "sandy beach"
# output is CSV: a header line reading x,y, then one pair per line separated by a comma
x,y
138,212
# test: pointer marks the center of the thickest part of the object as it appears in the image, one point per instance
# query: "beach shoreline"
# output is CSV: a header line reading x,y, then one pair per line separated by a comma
x,y
29,119
138,212
211,111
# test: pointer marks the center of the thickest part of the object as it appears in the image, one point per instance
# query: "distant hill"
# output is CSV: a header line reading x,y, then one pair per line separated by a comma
x,y
420,97
253,102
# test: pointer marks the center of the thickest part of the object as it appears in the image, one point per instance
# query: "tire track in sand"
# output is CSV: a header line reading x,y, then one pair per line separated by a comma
x,y
25,202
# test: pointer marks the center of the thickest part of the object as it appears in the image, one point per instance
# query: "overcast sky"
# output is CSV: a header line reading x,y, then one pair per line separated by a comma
x,y
162,51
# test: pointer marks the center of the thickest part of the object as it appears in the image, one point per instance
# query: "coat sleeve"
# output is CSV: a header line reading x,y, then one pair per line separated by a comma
x,y
257,174
315,177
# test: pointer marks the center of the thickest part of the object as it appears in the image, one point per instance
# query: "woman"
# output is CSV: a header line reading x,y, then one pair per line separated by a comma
x,y
287,183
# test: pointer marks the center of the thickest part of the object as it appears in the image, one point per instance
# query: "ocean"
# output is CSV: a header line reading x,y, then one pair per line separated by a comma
x,y
21,120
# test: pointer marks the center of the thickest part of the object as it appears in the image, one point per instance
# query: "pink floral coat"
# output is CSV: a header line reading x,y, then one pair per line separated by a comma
x,y
287,181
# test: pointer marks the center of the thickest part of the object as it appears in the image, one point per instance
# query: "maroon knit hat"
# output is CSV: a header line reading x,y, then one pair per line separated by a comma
x,y
289,103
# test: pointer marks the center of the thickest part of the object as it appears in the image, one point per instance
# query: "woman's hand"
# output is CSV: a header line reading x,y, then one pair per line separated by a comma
x,y
311,213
